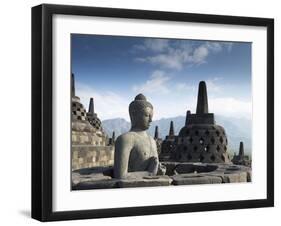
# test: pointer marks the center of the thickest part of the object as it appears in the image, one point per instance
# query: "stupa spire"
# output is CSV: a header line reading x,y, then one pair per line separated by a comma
x,y
113,137
187,116
202,99
171,131
156,134
91,106
72,85
241,150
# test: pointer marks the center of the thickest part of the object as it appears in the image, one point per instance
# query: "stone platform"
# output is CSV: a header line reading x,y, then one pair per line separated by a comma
x,y
101,178
177,174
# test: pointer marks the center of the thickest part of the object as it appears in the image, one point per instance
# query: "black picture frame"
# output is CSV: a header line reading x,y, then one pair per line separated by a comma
x,y
42,107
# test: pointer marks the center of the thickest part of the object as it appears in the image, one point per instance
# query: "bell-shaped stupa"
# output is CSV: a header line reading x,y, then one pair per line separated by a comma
x,y
201,140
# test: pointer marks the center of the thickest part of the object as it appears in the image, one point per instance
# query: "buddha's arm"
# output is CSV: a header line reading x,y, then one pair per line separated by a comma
x,y
155,167
154,160
123,147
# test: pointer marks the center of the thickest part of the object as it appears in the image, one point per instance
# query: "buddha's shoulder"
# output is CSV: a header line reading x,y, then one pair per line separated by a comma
x,y
126,136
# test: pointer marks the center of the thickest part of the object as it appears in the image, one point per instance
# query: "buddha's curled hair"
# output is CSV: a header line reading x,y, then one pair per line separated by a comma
x,y
139,104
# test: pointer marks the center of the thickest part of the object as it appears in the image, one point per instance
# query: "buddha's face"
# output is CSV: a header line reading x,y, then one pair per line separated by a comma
x,y
142,119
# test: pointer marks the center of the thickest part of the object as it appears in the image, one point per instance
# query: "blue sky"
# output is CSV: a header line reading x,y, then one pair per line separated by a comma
x,y
114,69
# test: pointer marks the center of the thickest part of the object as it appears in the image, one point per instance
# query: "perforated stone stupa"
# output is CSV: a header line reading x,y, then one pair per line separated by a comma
x,y
241,158
86,126
168,145
201,140
90,145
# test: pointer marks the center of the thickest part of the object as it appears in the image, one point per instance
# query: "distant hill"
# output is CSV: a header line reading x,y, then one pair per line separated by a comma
x,y
236,129
119,125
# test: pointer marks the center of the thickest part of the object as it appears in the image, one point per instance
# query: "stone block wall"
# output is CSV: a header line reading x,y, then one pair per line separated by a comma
x,y
87,156
89,138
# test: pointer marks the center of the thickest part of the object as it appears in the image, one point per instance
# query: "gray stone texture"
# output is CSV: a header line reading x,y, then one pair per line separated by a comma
x,y
177,174
148,181
229,173
202,143
96,183
101,177
93,178
87,156
191,179
233,173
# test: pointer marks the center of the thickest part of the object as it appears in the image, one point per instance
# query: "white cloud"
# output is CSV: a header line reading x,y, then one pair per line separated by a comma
x,y
214,46
156,84
183,87
172,107
219,46
212,85
200,54
156,45
170,61
178,54
106,104
229,106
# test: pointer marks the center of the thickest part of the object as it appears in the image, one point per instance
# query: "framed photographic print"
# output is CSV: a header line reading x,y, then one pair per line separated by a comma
x,y
145,112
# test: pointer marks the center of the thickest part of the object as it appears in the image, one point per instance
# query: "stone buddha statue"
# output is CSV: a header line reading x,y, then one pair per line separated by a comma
x,y
135,151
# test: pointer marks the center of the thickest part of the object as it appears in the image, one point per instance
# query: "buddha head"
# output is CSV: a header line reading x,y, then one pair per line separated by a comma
x,y
141,112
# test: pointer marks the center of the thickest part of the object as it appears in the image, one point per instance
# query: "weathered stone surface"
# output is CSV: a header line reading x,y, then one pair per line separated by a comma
x,y
106,171
205,143
235,177
93,178
82,126
100,181
101,177
228,172
232,173
194,167
86,156
148,181
170,167
189,179
91,174
228,177
96,184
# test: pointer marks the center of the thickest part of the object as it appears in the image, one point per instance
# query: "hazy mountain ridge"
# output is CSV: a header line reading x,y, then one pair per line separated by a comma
x,y
236,129
118,125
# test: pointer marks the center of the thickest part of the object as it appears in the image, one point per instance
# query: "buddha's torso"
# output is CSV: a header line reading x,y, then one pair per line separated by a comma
x,y
143,148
